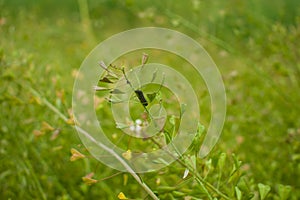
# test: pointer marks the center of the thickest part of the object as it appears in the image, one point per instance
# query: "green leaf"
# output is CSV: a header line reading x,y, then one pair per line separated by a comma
x,y
235,173
151,96
238,193
197,141
237,164
249,196
166,189
263,190
221,161
284,191
208,166
243,185
178,194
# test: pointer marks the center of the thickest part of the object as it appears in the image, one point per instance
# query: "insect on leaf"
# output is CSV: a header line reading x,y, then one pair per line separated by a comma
x,y
141,97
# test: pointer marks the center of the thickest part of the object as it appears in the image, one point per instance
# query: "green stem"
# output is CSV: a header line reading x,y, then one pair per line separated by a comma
x,y
85,21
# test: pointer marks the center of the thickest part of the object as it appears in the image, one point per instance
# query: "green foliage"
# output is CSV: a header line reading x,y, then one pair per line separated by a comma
x,y
263,190
255,45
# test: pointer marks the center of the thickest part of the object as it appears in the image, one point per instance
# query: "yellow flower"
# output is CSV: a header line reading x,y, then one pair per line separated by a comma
x,y
76,155
38,133
70,121
121,195
46,127
88,179
127,155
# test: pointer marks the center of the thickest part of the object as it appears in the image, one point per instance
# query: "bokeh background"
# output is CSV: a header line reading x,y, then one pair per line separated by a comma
x,y
254,43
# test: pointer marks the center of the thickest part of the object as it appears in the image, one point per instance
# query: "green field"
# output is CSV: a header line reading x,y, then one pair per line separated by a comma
x,y
255,45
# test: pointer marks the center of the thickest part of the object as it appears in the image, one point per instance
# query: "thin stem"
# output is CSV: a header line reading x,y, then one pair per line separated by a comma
x,y
85,21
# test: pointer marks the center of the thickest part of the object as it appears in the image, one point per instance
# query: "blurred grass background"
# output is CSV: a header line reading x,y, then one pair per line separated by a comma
x,y
255,44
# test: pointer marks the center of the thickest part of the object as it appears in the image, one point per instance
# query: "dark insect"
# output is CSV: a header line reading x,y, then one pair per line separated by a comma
x,y
141,97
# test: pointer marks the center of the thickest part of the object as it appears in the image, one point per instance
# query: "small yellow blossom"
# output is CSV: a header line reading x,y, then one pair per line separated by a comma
x,y
121,195
88,179
38,133
157,181
55,134
76,155
127,155
46,127
70,121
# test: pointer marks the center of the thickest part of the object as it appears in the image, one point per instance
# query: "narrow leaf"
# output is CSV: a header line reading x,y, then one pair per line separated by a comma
x,y
238,193
221,161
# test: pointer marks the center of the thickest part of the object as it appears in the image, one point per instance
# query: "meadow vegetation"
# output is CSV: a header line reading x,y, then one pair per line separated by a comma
x,y
254,43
